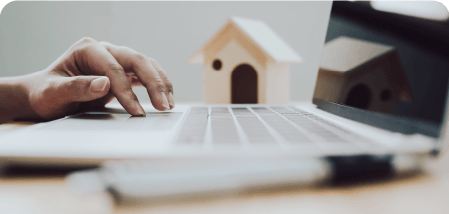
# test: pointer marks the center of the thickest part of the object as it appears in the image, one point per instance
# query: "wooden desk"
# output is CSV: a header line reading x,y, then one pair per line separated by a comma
x,y
427,192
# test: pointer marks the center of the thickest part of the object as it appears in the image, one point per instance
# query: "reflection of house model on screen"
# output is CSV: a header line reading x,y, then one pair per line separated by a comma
x,y
246,62
362,74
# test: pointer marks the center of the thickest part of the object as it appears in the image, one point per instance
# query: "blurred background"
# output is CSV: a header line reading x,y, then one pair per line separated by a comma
x,y
34,34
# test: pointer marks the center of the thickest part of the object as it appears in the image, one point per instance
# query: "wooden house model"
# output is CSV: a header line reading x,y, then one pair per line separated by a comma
x,y
362,74
246,62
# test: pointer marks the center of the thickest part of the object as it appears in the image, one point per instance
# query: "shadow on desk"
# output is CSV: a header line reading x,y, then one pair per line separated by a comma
x,y
24,171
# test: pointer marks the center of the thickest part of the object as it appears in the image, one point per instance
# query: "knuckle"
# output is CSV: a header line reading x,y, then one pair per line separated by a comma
x,y
126,49
88,47
86,40
105,43
72,82
169,86
47,89
140,57
81,44
156,85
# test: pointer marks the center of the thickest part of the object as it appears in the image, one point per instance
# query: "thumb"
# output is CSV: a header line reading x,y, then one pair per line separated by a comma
x,y
83,88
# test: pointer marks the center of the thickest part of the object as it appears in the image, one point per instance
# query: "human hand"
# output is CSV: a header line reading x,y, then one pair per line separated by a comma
x,y
90,74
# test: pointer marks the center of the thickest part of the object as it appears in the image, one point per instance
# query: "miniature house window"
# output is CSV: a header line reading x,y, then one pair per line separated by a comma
x,y
359,96
217,64
385,95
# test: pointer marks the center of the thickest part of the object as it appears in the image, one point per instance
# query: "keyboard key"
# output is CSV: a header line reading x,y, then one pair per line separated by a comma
x,y
220,111
283,110
193,129
224,130
196,110
263,111
315,128
242,111
286,129
340,129
255,130
299,110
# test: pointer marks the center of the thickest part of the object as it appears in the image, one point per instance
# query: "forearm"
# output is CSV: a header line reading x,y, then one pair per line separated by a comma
x,y
14,104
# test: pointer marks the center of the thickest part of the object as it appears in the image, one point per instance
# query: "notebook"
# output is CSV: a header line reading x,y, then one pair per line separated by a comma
x,y
327,129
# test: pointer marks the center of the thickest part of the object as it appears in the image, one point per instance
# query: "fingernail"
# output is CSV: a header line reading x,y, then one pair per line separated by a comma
x,y
99,84
140,109
165,101
171,100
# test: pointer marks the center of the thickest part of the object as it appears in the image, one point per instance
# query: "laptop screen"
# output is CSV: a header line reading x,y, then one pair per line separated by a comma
x,y
385,62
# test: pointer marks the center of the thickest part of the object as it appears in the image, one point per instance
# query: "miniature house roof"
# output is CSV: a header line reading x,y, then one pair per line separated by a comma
x,y
261,35
343,54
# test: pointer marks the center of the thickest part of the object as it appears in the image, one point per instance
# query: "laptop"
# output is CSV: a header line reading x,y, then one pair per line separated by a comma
x,y
340,135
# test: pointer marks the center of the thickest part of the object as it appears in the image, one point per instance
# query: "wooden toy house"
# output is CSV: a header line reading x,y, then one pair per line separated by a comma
x,y
362,74
246,62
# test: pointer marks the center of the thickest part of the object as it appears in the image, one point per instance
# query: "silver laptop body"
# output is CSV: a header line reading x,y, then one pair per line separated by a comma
x,y
206,131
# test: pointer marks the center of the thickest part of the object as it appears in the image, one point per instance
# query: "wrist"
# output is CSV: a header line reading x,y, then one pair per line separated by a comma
x,y
14,99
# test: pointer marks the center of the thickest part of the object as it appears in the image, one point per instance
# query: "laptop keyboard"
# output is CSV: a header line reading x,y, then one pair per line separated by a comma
x,y
258,126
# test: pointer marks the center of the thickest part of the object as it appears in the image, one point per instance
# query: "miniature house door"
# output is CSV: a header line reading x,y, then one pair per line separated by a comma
x,y
244,84
359,96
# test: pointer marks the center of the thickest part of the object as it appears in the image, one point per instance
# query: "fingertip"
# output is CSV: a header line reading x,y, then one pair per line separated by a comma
x,y
164,101
159,100
139,109
171,100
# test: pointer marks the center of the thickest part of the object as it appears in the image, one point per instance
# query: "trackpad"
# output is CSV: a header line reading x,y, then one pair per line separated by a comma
x,y
94,121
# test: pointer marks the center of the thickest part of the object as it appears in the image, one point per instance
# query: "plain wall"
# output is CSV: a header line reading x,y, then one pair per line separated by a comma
x,y
34,34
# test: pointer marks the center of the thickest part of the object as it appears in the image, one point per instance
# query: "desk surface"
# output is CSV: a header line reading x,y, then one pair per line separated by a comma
x,y
427,192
